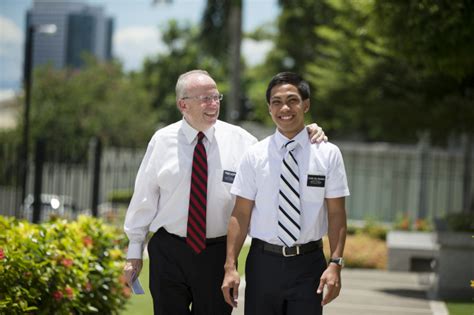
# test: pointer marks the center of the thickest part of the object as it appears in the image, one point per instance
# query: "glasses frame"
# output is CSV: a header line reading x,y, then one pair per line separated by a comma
x,y
206,98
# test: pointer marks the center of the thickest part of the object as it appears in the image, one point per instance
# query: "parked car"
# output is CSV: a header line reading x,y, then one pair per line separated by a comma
x,y
51,205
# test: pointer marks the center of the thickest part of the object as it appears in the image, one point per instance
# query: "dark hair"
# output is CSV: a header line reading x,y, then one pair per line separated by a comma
x,y
289,78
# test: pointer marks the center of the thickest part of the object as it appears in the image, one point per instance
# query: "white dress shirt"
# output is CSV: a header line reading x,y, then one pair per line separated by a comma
x,y
162,186
322,175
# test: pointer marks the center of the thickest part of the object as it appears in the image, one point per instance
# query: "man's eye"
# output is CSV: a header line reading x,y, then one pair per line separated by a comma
x,y
293,101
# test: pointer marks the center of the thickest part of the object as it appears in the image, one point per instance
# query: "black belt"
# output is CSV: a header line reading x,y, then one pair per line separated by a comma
x,y
287,251
209,241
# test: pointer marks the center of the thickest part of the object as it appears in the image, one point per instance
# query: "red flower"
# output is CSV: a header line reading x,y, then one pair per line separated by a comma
x,y
87,241
57,295
69,292
67,262
2,254
122,279
127,292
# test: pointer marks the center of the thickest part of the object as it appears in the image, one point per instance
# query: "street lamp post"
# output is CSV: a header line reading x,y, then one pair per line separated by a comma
x,y
27,71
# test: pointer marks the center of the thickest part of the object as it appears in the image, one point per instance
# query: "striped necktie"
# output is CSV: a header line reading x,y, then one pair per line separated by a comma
x,y
196,230
289,208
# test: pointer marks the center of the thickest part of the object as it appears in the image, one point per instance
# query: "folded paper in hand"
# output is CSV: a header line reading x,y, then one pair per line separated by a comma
x,y
137,287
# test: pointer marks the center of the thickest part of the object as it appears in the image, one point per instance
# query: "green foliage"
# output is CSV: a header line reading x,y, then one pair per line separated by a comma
x,y
437,35
376,63
69,107
184,53
120,196
404,222
9,157
460,222
214,34
61,268
374,230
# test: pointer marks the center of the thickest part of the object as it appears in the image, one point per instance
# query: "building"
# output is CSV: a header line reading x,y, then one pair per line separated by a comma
x,y
81,28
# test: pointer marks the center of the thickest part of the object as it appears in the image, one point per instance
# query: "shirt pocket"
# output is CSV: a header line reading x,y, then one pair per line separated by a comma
x,y
219,186
314,187
313,194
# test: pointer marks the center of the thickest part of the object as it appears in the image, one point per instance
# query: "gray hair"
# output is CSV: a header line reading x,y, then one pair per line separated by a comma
x,y
181,84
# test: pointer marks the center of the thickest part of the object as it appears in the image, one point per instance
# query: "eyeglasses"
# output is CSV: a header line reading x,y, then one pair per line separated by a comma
x,y
205,98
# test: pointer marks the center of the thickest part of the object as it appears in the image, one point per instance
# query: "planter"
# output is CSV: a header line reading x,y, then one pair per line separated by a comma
x,y
455,268
411,250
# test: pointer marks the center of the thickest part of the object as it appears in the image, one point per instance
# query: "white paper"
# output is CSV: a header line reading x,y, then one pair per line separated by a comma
x,y
137,287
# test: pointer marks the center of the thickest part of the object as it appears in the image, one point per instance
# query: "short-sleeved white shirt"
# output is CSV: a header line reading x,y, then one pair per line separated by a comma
x,y
162,186
322,175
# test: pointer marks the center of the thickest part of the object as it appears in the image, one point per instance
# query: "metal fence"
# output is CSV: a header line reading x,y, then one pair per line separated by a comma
x,y
390,180
385,180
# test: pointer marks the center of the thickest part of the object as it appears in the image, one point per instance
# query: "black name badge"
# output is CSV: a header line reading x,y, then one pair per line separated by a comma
x,y
316,181
228,177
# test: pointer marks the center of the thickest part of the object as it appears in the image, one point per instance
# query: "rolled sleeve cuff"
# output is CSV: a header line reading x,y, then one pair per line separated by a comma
x,y
241,193
135,251
337,193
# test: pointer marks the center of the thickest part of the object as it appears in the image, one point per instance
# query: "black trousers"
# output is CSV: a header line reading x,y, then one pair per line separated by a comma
x,y
183,282
278,285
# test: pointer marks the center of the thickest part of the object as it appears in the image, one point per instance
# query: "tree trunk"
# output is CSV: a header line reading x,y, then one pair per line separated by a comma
x,y
235,30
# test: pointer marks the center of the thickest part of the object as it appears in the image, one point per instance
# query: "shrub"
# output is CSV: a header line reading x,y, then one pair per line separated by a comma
x,y
405,223
61,267
460,221
374,230
362,251
120,196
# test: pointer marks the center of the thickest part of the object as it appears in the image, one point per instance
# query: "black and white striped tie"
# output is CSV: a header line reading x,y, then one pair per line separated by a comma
x,y
289,208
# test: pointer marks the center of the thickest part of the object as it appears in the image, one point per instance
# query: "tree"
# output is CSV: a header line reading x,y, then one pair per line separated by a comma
x,y
184,52
71,106
296,43
383,70
435,38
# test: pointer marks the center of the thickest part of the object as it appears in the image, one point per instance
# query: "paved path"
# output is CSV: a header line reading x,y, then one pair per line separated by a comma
x,y
367,292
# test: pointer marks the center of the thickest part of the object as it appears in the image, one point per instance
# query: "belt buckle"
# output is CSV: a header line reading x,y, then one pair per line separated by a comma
x,y
283,251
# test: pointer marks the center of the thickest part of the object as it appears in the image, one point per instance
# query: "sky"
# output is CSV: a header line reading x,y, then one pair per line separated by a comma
x,y
138,24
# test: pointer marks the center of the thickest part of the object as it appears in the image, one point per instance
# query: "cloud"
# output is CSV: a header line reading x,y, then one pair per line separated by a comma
x,y
133,44
11,52
255,51
9,32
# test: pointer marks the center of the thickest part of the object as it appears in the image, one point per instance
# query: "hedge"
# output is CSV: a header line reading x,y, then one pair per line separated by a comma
x,y
61,267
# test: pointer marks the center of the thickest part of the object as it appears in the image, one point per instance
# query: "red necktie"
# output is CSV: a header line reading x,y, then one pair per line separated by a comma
x,y
196,232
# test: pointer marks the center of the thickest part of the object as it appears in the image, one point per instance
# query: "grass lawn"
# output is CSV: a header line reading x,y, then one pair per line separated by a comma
x,y
460,307
143,305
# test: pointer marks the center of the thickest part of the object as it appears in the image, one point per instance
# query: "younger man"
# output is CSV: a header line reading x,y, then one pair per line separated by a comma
x,y
289,195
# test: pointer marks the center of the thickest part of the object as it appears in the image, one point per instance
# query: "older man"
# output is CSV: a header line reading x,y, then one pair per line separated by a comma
x,y
182,196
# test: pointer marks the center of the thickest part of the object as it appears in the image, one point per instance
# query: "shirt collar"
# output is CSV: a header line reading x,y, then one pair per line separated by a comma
x,y
302,138
191,134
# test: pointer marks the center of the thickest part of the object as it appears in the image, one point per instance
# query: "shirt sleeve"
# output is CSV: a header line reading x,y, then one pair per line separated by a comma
x,y
245,183
144,204
337,180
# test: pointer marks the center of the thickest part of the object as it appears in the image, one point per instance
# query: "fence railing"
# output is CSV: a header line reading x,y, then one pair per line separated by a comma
x,y
390,180
385,180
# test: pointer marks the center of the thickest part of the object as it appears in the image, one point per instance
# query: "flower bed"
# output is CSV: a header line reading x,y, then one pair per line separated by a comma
x,y
61,267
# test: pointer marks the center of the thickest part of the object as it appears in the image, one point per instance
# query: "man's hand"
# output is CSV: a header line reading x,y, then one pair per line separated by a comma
x,y
331,278
230,286
132,270
316,133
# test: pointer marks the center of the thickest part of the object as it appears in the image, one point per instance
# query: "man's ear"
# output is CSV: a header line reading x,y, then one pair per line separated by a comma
x,y
181,105
306,105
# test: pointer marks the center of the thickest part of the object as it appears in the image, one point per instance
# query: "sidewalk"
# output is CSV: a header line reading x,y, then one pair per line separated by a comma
x,y
378,292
